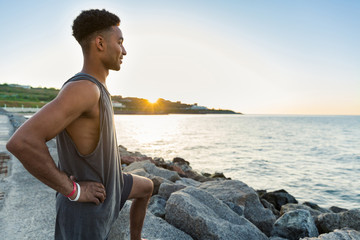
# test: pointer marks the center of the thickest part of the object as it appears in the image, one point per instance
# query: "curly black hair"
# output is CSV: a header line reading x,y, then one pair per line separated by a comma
x,y
91,21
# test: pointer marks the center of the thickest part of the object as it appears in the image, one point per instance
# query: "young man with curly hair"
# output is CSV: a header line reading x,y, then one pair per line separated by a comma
x,y
91,188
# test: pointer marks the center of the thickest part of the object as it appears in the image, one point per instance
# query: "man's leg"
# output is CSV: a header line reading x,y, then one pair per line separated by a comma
x,y
140,193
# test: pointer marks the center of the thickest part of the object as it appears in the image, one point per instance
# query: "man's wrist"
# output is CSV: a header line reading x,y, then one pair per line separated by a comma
x,y
76,196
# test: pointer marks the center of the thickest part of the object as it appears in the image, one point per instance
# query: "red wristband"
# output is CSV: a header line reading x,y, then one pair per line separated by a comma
x,y
73,191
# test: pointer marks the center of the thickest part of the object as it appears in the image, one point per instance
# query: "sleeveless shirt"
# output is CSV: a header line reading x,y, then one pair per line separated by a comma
x,y
77,220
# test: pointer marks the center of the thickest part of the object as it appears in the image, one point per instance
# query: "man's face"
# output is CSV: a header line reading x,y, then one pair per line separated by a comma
x,y
115,49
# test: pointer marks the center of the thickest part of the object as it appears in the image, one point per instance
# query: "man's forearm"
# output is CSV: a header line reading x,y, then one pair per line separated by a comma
x,y
35,157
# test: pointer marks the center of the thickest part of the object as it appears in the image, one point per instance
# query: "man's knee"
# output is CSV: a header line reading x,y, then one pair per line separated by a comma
x,y
149,186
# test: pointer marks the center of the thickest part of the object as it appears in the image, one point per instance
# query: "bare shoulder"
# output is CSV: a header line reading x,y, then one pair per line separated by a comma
x,y
82,90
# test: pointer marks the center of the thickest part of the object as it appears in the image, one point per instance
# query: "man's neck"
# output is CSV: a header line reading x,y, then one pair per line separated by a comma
x,y
96,70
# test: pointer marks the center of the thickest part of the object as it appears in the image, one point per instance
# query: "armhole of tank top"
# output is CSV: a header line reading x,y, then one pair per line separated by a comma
x,y
101,109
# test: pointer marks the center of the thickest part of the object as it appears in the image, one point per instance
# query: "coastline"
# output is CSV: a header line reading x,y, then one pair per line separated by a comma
x,y
176,184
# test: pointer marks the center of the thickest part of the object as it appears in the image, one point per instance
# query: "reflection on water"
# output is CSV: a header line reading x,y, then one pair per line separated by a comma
x,y
315,158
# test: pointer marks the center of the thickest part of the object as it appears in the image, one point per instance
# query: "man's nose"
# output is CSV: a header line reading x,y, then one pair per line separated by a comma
x,y
123,51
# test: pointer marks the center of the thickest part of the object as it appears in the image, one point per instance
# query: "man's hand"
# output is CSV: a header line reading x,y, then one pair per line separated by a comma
x,y
90,192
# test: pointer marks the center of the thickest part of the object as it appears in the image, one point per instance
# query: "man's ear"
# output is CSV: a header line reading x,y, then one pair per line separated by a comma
x,y
100,43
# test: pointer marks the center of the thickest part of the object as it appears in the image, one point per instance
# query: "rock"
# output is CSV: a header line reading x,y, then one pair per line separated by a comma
x,y
294,225
279,198
180,161
236,208
219,175
292,206
130,157
140,172
268,205
342,234
188,182
241,194
178,170
205,217
157,206
317,208
338,209
196,176
154,227
152,169
277,238
157,181
166,189
328,222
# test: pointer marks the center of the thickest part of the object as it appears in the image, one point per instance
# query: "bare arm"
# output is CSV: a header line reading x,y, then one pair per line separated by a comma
x,y
28,143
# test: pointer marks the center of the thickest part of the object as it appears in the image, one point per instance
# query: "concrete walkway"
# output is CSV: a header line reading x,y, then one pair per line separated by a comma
x,y
27,210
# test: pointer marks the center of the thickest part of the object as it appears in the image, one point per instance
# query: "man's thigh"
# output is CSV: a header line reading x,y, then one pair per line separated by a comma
x,y
142,187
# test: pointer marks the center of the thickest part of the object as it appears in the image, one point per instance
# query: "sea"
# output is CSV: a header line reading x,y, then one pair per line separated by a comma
x,y
314,158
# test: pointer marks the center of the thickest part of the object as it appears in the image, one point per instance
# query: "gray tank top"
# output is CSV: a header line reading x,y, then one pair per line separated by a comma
x,y
75,220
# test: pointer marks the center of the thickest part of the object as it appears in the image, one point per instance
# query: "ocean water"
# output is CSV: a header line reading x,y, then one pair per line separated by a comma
x,y
314,158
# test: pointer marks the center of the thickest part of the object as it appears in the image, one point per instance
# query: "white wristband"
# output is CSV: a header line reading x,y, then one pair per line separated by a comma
x,y
78,193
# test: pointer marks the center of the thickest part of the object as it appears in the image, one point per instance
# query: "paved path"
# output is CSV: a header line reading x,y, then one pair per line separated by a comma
x,y
27,210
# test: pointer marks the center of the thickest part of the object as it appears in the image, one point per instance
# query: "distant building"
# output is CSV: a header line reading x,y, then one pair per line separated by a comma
x,y
196,107
118,105
22,86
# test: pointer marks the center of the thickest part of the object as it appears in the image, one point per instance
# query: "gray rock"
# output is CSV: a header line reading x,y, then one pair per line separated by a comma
x,y
317,207
292,206
241,194
153,170
166,189
157,206
236,208
205,217
279,198
139,172
338,209
268,205
157,182
188,182
137,165
294,225
342,234
277,238
328,222
154,227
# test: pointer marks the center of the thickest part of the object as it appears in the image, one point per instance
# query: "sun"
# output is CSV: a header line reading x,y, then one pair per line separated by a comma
x,y
153,100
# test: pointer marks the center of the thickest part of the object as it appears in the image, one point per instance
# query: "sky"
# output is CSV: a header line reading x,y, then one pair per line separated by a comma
x,y
253,57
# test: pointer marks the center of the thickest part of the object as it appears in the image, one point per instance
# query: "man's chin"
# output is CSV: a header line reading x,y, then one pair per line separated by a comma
x,y
117,68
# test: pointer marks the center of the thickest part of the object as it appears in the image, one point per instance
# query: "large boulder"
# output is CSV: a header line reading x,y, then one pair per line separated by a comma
x,y
279,198
241,194
154,227
128,157
328,222
317,207
153,170
157,206
204,217
294,225
342,234
157,181
167,189
292,206
188,182
338,209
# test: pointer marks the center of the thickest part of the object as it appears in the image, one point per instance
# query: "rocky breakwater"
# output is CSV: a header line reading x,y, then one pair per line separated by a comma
x,y
191,205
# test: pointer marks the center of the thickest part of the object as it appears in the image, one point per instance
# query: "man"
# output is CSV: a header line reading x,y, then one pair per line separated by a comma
x,y
91,188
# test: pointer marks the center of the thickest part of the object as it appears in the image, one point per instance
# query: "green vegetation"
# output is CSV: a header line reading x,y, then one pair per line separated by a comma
x,y
13,95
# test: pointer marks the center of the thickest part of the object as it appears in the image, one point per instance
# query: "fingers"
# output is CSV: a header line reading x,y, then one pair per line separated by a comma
x,y
92,192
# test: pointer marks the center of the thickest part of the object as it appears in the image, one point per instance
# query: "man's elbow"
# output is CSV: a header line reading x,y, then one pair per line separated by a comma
x,y
15,145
